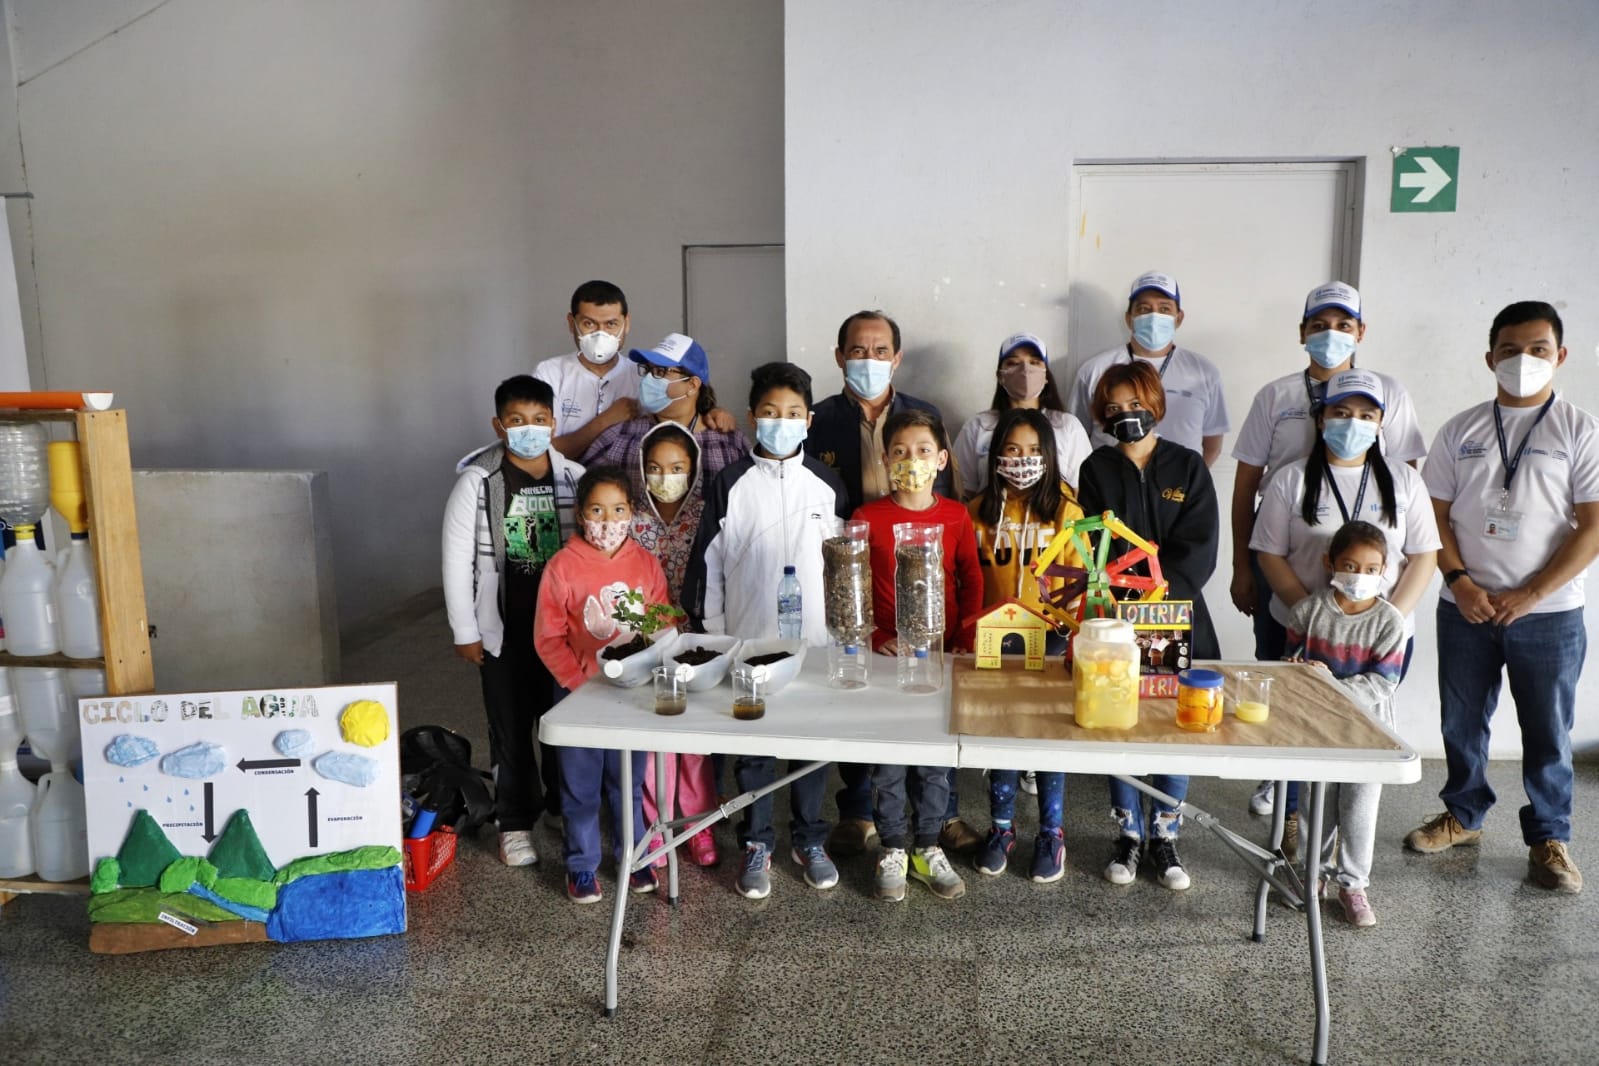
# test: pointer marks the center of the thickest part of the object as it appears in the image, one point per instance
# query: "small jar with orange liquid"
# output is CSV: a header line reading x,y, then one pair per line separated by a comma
x,y
1199,700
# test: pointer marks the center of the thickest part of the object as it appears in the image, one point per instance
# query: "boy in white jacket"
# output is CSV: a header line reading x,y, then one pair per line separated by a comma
x,y
769,510
510,510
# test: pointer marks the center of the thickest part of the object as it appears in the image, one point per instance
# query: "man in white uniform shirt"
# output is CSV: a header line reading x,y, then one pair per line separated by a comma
x,y
594,387
1515,484
1281,427
1196,412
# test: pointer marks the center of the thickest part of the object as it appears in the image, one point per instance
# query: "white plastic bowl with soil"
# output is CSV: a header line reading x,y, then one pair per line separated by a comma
x,y
706,675
780,672
634,670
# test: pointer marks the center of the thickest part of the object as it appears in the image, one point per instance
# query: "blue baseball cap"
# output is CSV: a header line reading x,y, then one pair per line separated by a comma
x,y
676,352
1019,340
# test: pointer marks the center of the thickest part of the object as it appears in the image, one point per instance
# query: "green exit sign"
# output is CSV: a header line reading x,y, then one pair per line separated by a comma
x,y
1425,179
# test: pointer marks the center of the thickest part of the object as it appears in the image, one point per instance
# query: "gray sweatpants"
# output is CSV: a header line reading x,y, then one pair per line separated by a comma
x,y
1351,816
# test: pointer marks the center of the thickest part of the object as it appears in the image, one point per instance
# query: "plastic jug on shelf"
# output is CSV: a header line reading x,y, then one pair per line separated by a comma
x,y
78,602
49,720
60,826
1105,674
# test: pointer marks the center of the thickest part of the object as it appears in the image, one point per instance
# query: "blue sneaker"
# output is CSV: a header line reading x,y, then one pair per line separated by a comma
x,y
581,887
755,878
1049,856
820,873
643,882
995,855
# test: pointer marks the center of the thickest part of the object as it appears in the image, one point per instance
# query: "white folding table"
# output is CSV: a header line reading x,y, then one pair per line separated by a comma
x,y
812,722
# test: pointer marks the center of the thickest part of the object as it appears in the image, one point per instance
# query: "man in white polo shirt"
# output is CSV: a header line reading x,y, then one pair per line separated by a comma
x,y
1515,485
594,387
1196,412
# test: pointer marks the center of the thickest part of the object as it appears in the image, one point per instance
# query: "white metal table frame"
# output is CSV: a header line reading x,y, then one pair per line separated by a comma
x,y
879,724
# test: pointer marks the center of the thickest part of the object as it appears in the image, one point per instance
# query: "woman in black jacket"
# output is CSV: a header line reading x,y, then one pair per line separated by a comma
x,y
1163,492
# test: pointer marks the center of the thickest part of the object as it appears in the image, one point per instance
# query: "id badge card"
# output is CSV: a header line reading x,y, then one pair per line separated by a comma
x,y
1501,523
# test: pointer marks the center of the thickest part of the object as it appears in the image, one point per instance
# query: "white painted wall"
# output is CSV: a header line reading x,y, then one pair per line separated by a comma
x,y
295,234
929,152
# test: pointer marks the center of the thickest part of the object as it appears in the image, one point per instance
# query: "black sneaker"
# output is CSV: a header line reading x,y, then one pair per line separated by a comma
x,y
1124,867
1168,867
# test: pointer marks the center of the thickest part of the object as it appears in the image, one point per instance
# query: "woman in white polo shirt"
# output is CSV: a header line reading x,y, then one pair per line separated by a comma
x,y
1024,381
1345,477
1281,428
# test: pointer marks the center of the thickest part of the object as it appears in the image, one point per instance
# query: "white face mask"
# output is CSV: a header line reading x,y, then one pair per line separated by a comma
x,y
1357,586
1524,375
599,346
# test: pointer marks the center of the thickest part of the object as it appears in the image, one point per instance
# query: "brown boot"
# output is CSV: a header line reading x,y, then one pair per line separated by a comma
x,y
958,836
1440,833
851,836
1549,865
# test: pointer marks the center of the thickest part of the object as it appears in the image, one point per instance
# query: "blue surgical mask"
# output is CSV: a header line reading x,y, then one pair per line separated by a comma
x,y
1154,331
1349,438
780,437
653,395
1329,348
527,442
868,378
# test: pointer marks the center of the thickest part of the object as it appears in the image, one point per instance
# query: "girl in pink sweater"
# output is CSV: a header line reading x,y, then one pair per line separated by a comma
x,y
582,584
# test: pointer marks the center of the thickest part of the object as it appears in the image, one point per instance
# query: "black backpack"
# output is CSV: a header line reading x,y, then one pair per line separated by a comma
x,y
436,769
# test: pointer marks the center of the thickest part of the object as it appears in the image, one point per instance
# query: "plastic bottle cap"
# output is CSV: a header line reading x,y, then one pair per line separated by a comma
x,y
1200,678
787,570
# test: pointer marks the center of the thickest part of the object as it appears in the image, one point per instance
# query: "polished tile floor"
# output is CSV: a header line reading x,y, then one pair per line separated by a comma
x,y
1470,964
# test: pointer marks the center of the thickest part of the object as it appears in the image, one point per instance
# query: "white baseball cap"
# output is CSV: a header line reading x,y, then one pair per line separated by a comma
x,y
1333,294
1162,283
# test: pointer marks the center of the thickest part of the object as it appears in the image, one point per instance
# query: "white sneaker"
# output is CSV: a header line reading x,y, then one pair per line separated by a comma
x,y
1029,783
1264,799
891,875
931,867
516,848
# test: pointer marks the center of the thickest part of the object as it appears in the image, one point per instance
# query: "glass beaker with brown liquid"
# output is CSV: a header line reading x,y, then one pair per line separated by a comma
x,y
749,693
671,691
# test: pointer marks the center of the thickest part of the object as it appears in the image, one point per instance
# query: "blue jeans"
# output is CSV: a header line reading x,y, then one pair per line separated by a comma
x,y
1127,807
1271,636
806,827
1542,654
585,774
855,798
1002,798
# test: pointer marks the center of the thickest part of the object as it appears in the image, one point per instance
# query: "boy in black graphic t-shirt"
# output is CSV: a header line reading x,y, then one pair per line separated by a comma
x,y
510,511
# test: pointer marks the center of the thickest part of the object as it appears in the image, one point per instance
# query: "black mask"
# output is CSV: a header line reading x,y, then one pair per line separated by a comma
x,y
1130,426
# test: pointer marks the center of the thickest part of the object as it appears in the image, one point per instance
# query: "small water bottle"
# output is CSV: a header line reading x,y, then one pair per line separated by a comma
x,y
790,604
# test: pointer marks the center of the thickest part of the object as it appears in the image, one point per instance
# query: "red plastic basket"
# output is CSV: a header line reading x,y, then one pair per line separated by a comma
x,y
426,857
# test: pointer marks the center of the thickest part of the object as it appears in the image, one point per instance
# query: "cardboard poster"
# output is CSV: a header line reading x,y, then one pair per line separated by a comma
x,y
219,817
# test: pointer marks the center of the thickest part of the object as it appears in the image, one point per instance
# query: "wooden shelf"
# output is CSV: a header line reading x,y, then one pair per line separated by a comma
x,y
119,572
56,660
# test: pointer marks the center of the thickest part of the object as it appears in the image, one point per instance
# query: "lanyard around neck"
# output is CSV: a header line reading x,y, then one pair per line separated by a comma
x,y
1360,493
1512,465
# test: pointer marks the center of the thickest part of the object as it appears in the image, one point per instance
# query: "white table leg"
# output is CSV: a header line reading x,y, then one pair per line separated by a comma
x,y
624,868
1311,843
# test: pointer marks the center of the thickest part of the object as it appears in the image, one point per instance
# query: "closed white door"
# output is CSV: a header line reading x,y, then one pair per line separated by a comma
x,y
1246,242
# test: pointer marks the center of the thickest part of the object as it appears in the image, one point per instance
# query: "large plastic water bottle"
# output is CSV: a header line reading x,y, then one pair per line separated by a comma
x,y
16,797
27,598
790,606
78,602
16,830
50,723
60,825
24,486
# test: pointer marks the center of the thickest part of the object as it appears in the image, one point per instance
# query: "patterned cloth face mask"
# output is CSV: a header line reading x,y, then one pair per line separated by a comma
x,y
668,488
912,475
1021,471
605,534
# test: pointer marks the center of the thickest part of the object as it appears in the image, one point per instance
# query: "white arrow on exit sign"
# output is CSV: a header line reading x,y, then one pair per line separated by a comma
x,y
1431,179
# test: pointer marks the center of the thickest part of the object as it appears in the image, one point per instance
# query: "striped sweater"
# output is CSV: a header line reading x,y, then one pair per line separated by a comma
x,y
1364,651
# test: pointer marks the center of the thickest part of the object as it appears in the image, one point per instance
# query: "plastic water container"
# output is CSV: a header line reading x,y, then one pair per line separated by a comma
x,y
790,606
27,599
60,825
78,602
24,485
84,683
11,731
1105,674
919,605
48,719
16,831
